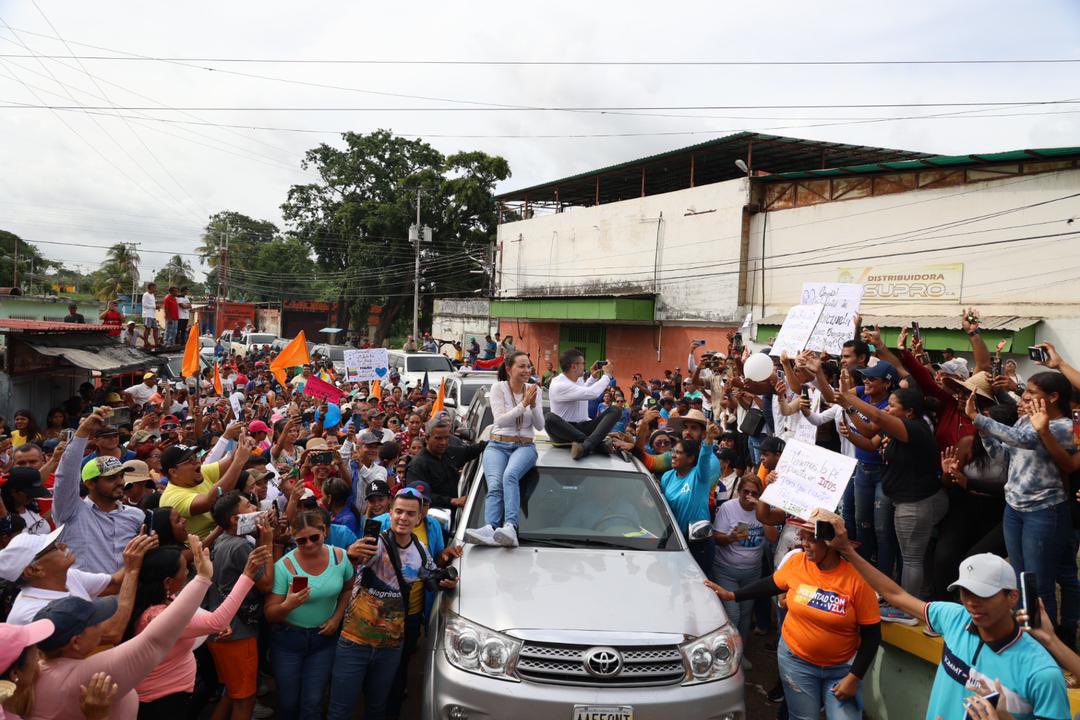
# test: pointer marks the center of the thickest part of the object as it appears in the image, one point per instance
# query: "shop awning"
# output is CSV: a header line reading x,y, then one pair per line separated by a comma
x,y
93,351
939,331
616,309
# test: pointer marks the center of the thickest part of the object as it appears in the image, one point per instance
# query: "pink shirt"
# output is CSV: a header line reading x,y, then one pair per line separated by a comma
x,y
57,690
176,672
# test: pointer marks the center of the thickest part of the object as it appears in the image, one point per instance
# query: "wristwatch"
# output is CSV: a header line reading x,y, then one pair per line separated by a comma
x,y
973,333
850,410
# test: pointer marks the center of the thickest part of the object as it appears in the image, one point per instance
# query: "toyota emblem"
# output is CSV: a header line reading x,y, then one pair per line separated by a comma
x,y
603,662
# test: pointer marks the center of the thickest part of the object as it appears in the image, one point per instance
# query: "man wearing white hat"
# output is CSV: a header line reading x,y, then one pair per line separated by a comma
x,y
986,653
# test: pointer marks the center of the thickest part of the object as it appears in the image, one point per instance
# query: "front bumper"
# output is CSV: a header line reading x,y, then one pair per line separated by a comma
x,y
446,687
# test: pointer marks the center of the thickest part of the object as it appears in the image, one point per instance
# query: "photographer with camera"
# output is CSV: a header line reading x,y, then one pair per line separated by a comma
x,y
373,635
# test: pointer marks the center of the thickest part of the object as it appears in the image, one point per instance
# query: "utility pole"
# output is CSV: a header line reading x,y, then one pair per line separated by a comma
x,y
223,254
15,265
414,236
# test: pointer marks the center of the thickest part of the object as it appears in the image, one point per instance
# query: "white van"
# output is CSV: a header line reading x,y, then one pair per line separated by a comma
x,y
412,366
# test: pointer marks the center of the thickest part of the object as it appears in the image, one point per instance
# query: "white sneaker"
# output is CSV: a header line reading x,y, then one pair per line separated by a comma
x,y
261,712
481,536
506,536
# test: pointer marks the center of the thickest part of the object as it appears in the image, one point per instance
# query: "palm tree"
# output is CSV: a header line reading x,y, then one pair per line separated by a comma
x,y
177,271
119,273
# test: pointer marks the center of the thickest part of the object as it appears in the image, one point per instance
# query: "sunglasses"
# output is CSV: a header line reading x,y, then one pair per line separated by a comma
x,y
313,539
751,493
48,549
169,426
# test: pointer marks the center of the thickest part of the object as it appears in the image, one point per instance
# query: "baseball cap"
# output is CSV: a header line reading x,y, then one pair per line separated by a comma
x,y
16,638
148,375
956,366
374,412
316,443
142,436
258,426
70,616
985,575
882,369
27,480
421,487
369,438
106,431
176,455
170,420
102,466
377,487
136,471
22,550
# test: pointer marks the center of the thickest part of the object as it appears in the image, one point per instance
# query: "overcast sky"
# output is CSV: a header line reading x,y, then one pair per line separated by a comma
x,y
74,178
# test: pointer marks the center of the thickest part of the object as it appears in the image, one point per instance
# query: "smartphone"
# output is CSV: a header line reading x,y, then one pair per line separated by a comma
x,y
1038,354
824,530
995,368
66,434
1029,599
299,583
742,528
372,528
805,392
993,700
699,343
916,334
247,523
601,363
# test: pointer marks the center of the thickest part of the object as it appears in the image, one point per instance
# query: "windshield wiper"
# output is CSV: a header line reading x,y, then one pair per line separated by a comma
x,y
544,542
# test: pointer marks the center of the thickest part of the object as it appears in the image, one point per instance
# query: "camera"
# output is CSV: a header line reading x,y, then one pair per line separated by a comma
x,y
434,577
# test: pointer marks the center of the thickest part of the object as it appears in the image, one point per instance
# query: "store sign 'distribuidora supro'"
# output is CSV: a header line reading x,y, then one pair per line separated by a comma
x,y
904,283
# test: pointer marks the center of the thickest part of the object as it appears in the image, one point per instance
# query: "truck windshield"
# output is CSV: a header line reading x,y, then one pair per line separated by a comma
x,y
336,354
428,363
260,339
582,508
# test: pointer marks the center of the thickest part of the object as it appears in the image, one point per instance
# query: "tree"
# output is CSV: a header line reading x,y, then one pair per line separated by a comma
x,y
29,260
177,271
119,274
238,239
356,217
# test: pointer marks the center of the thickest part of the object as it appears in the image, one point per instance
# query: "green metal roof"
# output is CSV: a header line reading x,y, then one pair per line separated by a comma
x,y
707,162
937,161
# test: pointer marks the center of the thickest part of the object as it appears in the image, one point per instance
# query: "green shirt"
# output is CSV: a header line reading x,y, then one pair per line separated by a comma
x,y
325,587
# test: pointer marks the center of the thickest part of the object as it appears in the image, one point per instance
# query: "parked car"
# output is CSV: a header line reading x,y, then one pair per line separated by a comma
x,y
602,613
206,347
335,354
461,387
249,341
282,342
413,366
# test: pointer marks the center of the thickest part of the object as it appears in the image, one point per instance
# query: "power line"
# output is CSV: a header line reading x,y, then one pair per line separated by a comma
x,y
561,63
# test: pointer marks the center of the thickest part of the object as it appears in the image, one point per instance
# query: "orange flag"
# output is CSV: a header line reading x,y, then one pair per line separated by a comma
x,y
190,368
376,389
437,406
217,380
294,354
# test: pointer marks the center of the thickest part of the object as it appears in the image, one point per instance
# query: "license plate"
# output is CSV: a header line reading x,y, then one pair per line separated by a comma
x,y
603,712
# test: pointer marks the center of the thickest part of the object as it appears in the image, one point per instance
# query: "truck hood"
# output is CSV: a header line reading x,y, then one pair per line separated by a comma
x,y
530,591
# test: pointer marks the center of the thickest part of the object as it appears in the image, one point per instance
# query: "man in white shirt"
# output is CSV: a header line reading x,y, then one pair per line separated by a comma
x,y
568,421
184,304
129,335
149,314
138,395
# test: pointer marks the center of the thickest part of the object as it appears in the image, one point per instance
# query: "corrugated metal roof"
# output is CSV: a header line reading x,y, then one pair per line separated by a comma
x,y
936,161
15,325
1009,323
92,352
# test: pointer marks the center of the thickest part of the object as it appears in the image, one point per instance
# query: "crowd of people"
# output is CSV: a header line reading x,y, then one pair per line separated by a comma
x,y
245,549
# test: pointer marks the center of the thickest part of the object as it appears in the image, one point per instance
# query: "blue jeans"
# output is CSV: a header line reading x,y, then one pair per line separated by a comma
x,y
1034,540
170,332
362,666
732,578
504,466
753,442
874,517
846,509
807,687
302,660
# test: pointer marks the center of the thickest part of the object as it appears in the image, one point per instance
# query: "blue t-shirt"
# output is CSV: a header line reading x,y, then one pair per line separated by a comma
x,y
688,496
870,457
125,455
1033,683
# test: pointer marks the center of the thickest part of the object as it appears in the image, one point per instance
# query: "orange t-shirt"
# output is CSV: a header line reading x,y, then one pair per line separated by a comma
x,y
825,609
762,473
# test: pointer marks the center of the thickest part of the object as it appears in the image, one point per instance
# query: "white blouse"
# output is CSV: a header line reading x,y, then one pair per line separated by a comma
x,y
512,416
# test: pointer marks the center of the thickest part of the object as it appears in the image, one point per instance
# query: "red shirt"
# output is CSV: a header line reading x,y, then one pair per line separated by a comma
x,y
172,309
114,319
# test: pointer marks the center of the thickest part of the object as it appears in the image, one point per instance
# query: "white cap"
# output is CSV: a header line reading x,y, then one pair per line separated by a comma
x,y
22,550
985,575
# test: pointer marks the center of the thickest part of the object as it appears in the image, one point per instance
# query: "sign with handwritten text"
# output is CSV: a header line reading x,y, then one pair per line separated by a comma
x,y
365,364
796,330
809,477
836,324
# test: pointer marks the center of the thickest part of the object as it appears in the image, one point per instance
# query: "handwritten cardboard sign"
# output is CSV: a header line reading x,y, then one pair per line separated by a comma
x,y
836,324
796,330
366,365
809,477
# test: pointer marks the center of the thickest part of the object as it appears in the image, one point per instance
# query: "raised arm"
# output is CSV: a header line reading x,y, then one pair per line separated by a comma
x,y
1067,464
890,424
66,498
1056,362
970,322
879,581
208,623
134,552
202,503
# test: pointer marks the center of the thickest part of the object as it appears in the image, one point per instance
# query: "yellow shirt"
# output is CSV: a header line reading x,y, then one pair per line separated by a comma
x,y
182,497
416,591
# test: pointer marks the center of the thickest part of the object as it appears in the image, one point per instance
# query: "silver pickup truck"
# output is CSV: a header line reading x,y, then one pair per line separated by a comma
x,y
600,614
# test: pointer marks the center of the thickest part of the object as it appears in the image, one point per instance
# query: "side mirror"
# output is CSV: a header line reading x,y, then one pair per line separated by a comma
x,y
699,530
449,402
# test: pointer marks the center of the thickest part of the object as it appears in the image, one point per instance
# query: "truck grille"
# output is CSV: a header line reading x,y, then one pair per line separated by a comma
x,y
566,665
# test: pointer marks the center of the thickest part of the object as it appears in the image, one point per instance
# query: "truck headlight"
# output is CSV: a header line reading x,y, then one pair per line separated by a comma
x,y
477,649
713,656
